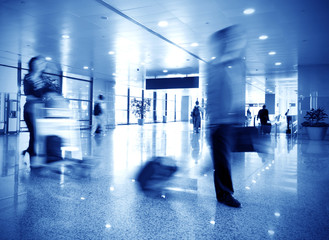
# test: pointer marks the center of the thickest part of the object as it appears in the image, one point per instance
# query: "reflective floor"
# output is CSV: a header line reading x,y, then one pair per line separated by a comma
x,y
284,195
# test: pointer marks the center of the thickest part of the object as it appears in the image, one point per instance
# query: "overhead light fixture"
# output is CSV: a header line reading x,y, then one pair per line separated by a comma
x,y
263,37
48,58
229,66
65,36
163,24
271,53
213,58
277,63
111,52
165,71
194,44
249,11
85,67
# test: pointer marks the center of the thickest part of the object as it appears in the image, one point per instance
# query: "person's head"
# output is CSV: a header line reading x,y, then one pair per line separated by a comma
x,y
37,64
197,102
228,43
101,97
264,106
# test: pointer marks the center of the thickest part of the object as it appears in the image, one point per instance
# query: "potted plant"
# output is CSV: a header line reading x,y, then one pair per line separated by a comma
x,y
139,108
315,127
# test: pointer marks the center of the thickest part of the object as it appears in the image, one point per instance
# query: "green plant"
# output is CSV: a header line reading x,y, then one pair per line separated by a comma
x,y
314,118
140,107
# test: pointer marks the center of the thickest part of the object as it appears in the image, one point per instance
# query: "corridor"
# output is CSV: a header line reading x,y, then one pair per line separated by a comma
x,y
284,194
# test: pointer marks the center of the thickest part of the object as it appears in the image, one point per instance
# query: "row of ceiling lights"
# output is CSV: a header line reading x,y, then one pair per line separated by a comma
x,y
247,11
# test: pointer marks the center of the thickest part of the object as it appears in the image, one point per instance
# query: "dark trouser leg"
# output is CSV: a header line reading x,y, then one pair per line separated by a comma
x,y
221,151
28,118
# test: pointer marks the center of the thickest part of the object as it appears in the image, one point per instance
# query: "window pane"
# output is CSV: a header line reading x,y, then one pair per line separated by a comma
x,y
76,89
80,108
121,117
121,103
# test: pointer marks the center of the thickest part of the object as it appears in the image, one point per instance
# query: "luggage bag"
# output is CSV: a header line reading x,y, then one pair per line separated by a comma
x,y
155,173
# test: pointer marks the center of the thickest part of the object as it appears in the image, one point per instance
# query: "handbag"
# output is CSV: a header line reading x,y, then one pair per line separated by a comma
x,y
244,139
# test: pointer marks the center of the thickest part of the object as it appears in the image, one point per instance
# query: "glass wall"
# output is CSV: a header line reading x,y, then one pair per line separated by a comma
x,y
76,89
121,104
122,109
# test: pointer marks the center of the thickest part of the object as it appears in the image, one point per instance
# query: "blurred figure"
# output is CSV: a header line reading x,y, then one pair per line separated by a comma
x,y
249,117
225,104
98,125
35,85
288,118
263,116
155,173
196,117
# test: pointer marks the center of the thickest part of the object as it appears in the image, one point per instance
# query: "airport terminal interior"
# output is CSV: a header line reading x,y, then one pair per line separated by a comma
x,y
147,63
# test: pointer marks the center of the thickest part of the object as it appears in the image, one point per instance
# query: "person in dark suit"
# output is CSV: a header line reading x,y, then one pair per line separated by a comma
x,y
225,78
263,116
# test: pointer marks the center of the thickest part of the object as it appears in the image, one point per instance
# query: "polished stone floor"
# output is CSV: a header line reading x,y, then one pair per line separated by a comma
x,y
284,194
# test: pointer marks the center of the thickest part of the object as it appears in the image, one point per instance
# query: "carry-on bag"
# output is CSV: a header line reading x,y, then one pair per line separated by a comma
x,y
156,172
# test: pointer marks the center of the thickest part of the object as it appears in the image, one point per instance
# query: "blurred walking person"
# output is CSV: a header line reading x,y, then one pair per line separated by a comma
x,y
196,117
225,105
98,120
34,87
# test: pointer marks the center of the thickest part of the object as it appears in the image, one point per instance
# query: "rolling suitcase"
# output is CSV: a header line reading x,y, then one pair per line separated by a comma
x,y
53,149
155,173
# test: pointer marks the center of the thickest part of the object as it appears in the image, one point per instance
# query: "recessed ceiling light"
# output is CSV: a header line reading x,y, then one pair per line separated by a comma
x,y
271,53
249,11
165,71
263,37
48,58
65,36
277,64
194,44
85,67
163,24
213,58
229,66
111,52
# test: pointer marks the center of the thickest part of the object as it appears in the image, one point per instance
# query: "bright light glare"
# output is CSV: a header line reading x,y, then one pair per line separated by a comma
x,y
249,11
48,58
65,36
272,53
111,52
277,214
175,58
194,44
212,222
263,37
85,67
271,232
107,225
165,70
278,64
163,24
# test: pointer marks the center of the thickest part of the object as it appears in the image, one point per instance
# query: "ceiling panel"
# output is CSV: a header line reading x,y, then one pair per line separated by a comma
x,y
297,31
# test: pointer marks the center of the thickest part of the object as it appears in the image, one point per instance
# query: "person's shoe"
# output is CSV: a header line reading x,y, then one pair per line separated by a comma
x,y
228,200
